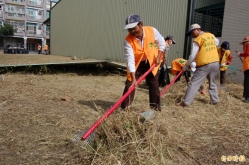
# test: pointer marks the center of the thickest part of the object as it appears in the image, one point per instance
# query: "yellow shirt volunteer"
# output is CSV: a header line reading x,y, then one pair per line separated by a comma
x,y
207,49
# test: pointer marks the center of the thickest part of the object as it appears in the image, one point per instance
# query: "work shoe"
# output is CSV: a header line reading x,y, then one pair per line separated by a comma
x,y
246,100
182,104
213,103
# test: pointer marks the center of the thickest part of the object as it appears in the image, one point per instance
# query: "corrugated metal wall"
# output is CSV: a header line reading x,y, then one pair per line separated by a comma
x,y
235,28
94,29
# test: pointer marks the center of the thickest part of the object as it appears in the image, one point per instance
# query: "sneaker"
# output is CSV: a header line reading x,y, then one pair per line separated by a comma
x,y
246,100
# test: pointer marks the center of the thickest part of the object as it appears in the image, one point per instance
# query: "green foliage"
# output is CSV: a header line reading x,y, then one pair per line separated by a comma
x,y
6,29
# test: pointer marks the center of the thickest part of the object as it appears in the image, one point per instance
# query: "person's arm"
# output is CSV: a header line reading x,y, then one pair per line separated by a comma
x,y
129,57
161,45
195,49
229,59
246,51
130,61
216,41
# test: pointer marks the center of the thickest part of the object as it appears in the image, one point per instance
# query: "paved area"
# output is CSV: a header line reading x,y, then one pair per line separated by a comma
x,y
7,60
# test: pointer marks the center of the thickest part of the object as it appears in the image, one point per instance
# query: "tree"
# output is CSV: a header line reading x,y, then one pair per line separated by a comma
x,y
7,29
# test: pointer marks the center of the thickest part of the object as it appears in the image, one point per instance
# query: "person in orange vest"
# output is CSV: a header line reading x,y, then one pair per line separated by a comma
x,y
245,55
164,78
204,53
46,49
176,68
39,49
143,47
225,60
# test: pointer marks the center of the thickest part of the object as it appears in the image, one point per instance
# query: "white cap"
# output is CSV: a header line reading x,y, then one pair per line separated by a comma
x,y
132,21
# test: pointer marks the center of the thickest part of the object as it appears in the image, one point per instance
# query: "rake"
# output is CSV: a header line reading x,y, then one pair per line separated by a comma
x,y
86,137
170,84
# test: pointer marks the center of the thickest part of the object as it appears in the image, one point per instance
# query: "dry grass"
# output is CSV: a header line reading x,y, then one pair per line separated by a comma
x,y
37,126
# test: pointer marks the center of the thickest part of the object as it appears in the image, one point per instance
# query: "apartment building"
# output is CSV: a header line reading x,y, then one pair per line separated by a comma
x,y
26,17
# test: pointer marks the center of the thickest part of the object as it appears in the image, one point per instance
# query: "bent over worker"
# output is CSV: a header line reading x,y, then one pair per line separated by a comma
x,y
143,46
176,68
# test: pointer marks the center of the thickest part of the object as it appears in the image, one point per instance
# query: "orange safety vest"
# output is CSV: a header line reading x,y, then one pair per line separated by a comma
x,y
207,49
224,58
39,47
177,64
46,47
149,51
246,59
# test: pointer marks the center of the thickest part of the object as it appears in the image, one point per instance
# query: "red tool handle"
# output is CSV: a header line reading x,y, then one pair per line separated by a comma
x,y
109,112
239,56
171,83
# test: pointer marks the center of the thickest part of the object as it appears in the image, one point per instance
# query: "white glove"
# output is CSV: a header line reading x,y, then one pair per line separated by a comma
x,y
224,64
185,67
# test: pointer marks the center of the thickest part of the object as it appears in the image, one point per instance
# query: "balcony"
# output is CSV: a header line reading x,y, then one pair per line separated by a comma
x,y
34,33
19,33
47,35
35,4
16,2
34,18
1,14
15,16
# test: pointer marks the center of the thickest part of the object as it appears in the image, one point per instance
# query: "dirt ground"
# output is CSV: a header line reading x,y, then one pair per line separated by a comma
x,y
40,113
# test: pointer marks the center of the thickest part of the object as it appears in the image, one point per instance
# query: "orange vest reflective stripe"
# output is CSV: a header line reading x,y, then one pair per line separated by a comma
x,y
207,49
177,64
149,51
224,58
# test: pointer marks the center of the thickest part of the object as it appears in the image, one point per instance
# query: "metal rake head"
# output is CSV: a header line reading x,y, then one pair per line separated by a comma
x,y
78,140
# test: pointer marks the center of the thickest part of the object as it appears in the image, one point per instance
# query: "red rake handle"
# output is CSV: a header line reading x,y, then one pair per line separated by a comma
x,y
239,56
170,84
109,112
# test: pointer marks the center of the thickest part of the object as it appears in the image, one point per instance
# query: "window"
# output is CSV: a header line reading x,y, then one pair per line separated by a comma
x,y
39,12
211,18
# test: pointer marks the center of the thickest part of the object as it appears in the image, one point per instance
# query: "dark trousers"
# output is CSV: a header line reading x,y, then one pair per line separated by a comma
x,y
246,84
152,82
222,77
39,51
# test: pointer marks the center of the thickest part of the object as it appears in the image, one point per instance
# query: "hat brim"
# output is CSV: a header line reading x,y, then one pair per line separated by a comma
x,y
131,25
189,32
241,43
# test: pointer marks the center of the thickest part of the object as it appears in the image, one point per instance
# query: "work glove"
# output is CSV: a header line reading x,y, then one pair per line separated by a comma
x,y
185,67
224,64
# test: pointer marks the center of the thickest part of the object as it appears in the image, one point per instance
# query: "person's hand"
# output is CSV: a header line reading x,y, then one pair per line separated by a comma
x,y
185,67
159,57
134,83
238,53
224,64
